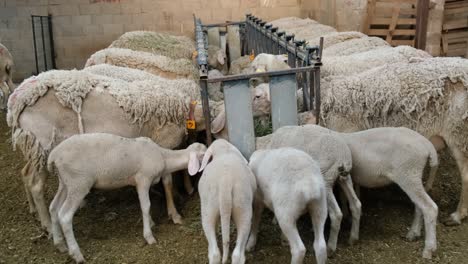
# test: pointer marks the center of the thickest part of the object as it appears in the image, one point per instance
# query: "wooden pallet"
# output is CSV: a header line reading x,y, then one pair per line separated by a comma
x,y
393,20
455,28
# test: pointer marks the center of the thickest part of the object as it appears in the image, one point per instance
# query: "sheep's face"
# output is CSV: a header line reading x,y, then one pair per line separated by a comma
x,y
196,153
261,105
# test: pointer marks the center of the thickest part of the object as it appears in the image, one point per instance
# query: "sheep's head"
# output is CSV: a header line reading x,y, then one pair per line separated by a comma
x,y
261,104
196,153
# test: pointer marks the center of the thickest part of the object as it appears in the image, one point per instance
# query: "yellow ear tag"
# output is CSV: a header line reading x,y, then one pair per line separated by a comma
x,y
251,57
194,54
191,124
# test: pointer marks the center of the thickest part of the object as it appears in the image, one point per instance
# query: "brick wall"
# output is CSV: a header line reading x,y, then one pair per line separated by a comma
x,y
82,27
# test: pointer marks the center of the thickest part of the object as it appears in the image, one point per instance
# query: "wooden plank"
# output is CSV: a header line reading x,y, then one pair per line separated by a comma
x,y
395,14
456,11
402,42
397,32
444,45
457,35
455,24
457,52
421,24
456,5
370,15
387,21
457,46
388,10
397,1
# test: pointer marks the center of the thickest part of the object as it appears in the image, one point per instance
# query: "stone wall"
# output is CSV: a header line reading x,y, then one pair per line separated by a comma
x,y
82,27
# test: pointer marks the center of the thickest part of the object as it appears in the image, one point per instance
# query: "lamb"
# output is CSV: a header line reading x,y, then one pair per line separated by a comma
x,y
334,158
353,46
155,64
6,83
428,96
264,62
289,184
398,155
55,105
359,62
174,47
217,59
227,186
106,161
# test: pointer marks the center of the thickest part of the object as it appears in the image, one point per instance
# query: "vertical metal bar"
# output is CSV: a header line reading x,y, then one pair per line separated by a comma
x,y
34,42
238,105
311,84
317,94
305,90
283,101
51,39
206,108
43,43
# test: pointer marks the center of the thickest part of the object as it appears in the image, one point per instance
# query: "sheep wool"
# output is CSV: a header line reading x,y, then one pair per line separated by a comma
x,y
155,64
288,23
354,46
359,62
335,38
240,65
418,95
311,31
174,47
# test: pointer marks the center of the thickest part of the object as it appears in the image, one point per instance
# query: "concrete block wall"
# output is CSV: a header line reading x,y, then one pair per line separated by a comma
x,y
82,27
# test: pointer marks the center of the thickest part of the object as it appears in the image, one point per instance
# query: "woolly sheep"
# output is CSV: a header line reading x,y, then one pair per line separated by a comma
x,y
155,64
217,58
335,38
215,91
174,47
359,62
55,105
6,83
311,31
240,65
287,23
398,155
428,96
354,46
264,62
106,161
289,184
227,186
334,158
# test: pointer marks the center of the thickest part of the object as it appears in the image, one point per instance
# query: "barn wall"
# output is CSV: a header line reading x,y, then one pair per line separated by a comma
x,y
82,27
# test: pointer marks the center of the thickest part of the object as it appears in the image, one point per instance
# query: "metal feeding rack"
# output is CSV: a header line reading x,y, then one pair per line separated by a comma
x,y
258,36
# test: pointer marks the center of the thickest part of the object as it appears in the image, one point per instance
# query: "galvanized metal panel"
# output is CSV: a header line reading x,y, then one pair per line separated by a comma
x,y
283,101
238,103
233,39
213,37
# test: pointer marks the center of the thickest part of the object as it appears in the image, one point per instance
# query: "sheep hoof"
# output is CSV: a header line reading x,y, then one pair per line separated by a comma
x,y
352,241
451,222
412,236
427,254
78,257
61,247
177,219
150,240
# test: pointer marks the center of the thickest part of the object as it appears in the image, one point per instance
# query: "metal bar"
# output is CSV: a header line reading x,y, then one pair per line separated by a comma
x,y
283,101
34,42
52,45
238,105
317,97
261,74
43,43
225,24
206,109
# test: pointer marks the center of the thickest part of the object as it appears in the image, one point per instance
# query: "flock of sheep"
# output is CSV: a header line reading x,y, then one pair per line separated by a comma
x,y
386,111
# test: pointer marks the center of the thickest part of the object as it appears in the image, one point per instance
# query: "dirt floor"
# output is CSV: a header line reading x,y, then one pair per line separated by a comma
x,y
109,228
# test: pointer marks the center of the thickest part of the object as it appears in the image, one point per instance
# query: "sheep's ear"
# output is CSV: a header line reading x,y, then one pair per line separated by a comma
x,y
206,159
221,58
218,123
194,164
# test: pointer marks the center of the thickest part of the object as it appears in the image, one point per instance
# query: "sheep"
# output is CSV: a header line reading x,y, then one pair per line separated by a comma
x,y
227,186
398,155
55,105
289,184
335,161
174,47
288,23
335,38
240,65
6,83
215,91
264,62
354,46
359,62
217,59
106,161
155,64
311,31
428,96
261,102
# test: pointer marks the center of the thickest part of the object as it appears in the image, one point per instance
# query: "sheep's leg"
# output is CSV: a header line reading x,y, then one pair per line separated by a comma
x,y
462,209
287,223
257,217
355,206
66,213
55,205
415,230
210,216
25,172
242,219
171,209
335,218
344,204
416,192
318,215
36,185
143,195
188,184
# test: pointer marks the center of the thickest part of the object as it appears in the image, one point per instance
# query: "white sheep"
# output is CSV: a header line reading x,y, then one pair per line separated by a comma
x,y
6,73
217,59
352,46
398,155
106,161
215,91
174,47
155,64
264,62
289,184
240,65
335,38
428,96
227,187
334,158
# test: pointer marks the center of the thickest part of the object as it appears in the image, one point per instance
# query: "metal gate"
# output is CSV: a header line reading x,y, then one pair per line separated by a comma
x,y
43,41
260,37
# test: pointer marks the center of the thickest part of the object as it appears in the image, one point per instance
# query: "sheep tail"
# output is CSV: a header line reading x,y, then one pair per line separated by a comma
x,y
433,165
225,207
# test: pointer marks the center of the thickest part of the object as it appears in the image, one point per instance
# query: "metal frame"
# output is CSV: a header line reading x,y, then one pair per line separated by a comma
x,y
259,37
43,20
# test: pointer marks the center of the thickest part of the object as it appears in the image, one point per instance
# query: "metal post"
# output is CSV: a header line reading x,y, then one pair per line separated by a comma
x,y
43,43
34,42
317,93
283,101
51,39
